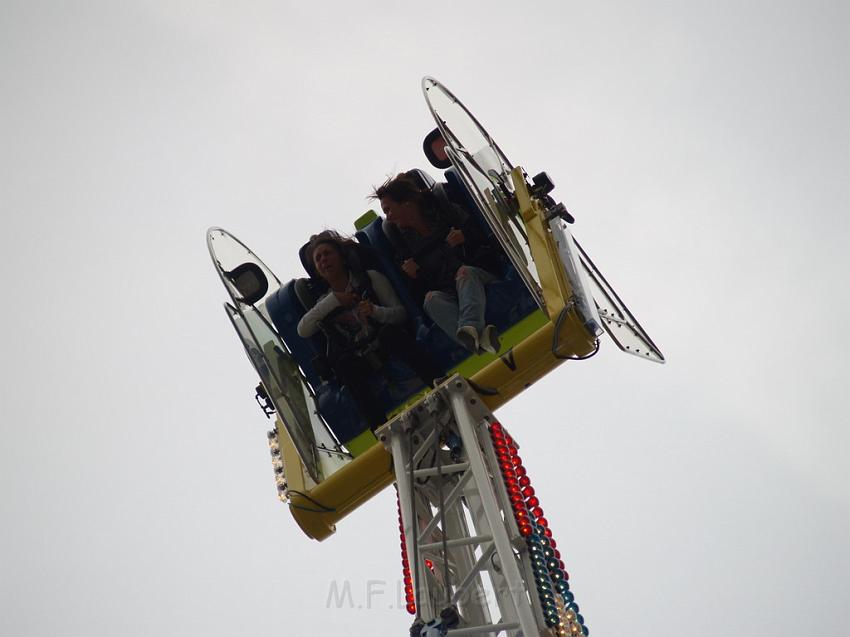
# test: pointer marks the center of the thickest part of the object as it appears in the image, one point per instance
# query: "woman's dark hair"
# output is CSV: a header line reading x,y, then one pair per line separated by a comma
x,y
403,188
331,237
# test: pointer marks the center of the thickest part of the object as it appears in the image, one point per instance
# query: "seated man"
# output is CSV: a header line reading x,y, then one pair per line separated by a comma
x,y
445,254
360,314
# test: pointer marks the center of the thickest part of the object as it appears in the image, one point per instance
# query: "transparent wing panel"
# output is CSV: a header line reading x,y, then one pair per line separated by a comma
x,y
616,317
485,171
282,381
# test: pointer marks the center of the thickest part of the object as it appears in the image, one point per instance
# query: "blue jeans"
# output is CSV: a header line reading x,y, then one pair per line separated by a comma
x,y
465,307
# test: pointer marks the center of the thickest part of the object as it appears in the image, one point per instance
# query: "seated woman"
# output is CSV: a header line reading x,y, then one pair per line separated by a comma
x,y
446,255
360,314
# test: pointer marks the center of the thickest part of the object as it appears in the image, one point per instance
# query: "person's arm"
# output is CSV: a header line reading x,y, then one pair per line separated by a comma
x,y
387,306
473,235
477,248
309,323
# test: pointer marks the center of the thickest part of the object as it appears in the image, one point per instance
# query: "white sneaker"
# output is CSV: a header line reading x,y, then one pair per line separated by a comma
x,y
468,337
490,340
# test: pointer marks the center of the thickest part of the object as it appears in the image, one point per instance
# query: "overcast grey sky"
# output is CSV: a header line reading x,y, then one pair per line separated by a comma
x,y
703,149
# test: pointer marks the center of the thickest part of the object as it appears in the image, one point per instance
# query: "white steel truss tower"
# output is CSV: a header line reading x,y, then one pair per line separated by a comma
x,y
477,555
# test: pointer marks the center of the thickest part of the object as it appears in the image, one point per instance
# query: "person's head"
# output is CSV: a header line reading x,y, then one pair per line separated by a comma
x,y
434,147
401,200
326,253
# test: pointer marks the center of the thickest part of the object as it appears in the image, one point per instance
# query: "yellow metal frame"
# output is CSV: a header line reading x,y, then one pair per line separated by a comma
x,y
318,509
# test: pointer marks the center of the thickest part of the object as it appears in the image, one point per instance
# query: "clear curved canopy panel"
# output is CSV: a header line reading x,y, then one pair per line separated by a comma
x,y
485,171
618,321
281,378
230,257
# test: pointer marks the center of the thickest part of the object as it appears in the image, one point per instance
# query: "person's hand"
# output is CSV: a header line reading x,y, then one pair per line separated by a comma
x,y
410,268
346,299
455,237
366,309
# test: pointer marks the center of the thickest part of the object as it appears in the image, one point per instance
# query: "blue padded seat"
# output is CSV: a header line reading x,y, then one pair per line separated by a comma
x,y
285,310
